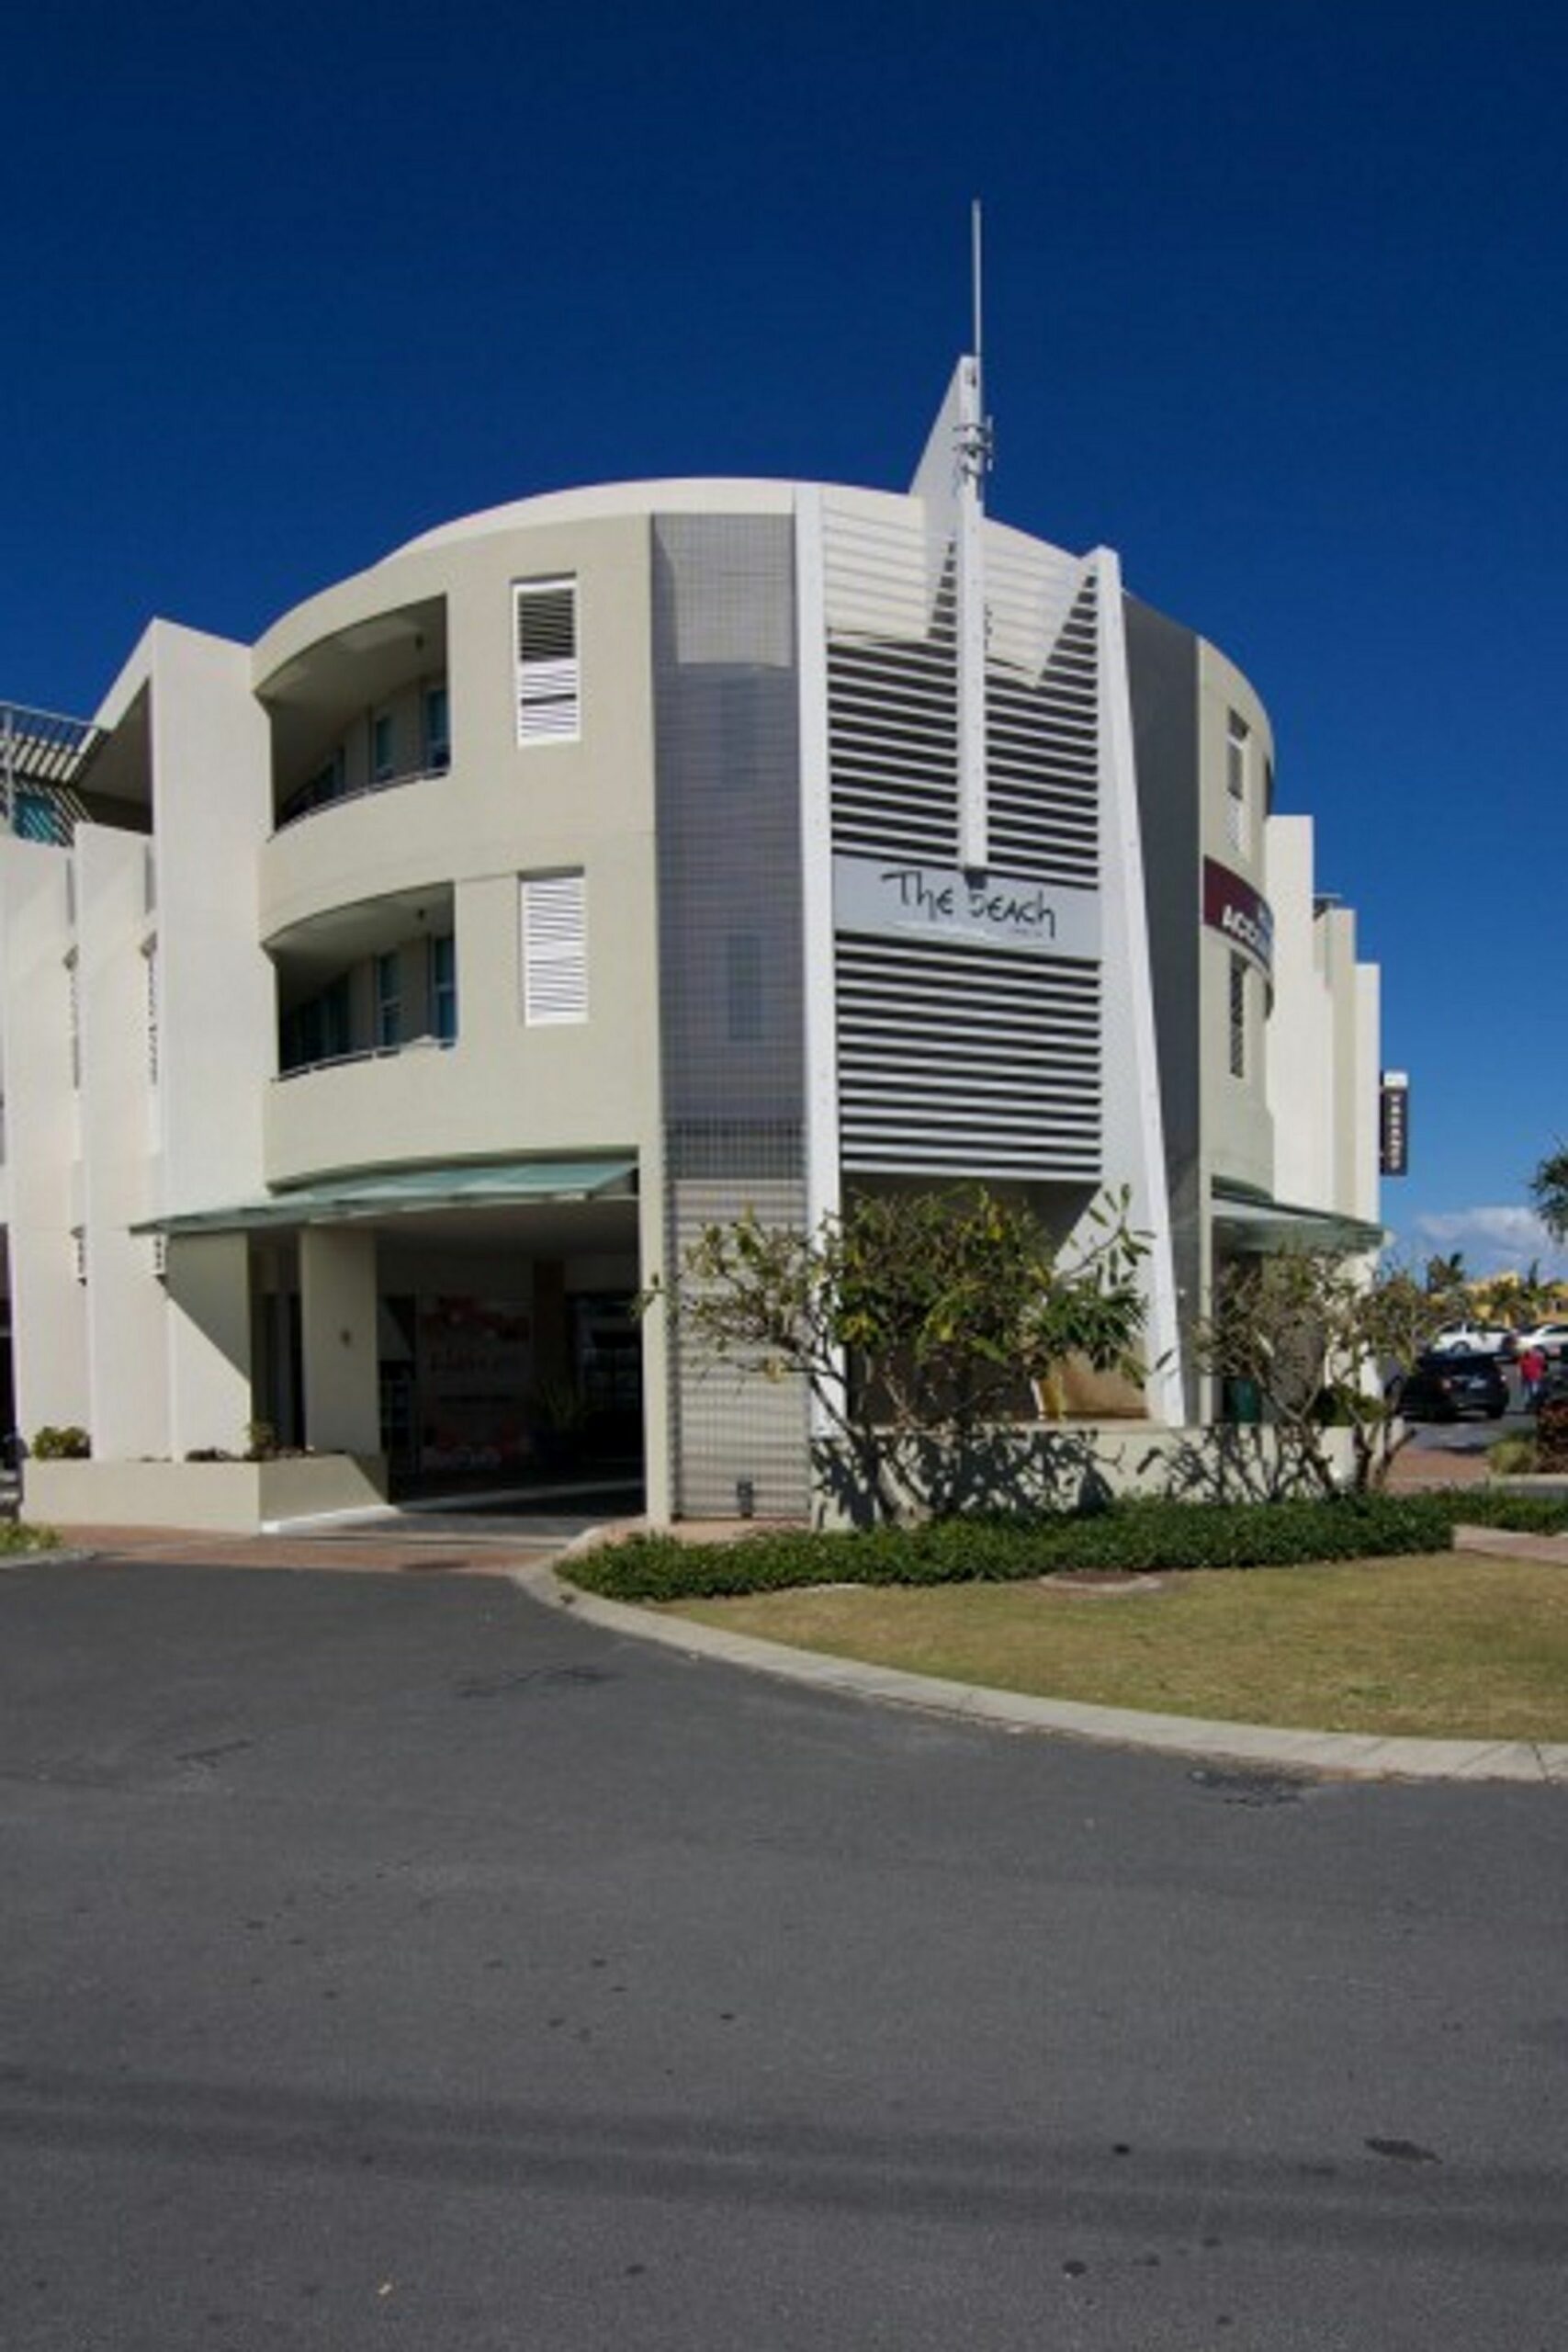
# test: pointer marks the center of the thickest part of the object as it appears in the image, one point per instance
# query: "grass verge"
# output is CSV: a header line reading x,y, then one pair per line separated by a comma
x,y
1447,1645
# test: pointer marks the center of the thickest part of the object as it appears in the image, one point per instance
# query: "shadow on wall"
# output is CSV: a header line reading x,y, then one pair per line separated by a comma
x,y
1028,1470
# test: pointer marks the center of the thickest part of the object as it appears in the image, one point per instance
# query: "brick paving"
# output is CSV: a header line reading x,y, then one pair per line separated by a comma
x,y
402,1549
1418,1467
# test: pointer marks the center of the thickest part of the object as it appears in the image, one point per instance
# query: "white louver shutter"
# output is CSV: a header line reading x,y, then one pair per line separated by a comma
x,y
555,949
547,681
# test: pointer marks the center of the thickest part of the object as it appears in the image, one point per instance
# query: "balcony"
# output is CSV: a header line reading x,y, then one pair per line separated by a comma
x,y
367,981
363,711
368,1106
329,787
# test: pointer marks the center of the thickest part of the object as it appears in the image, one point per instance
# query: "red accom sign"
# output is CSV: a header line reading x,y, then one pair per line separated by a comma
x,y
1242,913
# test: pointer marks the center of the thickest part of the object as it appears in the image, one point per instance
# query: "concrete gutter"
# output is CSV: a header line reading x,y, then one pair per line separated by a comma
x,y
1360,1756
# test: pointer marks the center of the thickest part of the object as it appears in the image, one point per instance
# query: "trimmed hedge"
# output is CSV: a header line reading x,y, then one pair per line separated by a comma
x,y
1134,1536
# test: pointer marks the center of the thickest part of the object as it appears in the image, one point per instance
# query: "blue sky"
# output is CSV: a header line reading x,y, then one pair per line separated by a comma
x,y
1275,306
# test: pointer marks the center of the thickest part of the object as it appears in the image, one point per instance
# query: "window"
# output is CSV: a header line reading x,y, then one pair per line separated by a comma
x,y
437,729
33,817
321,787
443,988
1238,1017
337,1019
544,613
1236,733
388,1000
383,748
320,1030
555,949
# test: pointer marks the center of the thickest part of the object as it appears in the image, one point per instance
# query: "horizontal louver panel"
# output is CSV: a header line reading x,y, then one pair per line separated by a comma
x,y
965,1061
893,698
548,676
1043,716
892,689
555,949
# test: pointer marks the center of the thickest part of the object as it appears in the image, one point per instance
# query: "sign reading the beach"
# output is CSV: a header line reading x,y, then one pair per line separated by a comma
x,y
950,905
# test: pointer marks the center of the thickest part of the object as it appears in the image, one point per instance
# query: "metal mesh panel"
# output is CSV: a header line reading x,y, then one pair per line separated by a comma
x,y
739,1441
731,978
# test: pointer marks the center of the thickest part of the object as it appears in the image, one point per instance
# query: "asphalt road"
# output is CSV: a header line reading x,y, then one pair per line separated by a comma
x,y
391,1964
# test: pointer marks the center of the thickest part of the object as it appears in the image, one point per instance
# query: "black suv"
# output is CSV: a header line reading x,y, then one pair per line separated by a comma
x,y
1448,1381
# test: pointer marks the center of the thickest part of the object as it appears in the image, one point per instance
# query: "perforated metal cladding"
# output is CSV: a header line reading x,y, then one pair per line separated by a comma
x,y
962,1061
731,982
732,1428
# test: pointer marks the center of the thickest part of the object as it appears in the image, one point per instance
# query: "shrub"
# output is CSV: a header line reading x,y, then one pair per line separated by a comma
x,y
17,1537
1512,1457
1128,1536
1551,1434
65,1444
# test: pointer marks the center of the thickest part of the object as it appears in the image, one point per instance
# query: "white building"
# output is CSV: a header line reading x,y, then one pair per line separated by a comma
x,y
382,1003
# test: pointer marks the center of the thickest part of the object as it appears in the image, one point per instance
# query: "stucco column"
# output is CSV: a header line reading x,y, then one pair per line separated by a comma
x,y
207,1281
337,1316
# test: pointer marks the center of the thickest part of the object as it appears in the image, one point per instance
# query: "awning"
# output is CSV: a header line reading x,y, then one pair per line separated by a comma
x,y
1248,1222
505,1183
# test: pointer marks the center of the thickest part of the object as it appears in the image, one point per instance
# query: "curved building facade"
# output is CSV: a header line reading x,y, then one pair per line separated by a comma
x,y
398,995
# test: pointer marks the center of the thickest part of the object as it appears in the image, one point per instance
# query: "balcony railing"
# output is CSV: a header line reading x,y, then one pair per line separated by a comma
x,y
41,755
329,792
365,1054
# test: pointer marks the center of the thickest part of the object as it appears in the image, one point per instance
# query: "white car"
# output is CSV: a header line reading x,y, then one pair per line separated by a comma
x,y
1474,1338
1551,1338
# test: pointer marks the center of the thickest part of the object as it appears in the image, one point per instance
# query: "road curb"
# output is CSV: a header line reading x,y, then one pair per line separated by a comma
x,y
1360,1755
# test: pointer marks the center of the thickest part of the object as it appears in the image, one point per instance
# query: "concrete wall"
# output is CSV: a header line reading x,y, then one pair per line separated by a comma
x,y
42,1137
239,1498
1322,1042
1237,1128
125,1302
211,812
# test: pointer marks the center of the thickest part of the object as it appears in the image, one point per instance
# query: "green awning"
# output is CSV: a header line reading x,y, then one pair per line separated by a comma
x,y
488,1185
1249,1222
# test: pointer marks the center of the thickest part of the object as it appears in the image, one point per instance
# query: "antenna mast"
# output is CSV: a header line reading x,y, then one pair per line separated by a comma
x,y
977,272
974,438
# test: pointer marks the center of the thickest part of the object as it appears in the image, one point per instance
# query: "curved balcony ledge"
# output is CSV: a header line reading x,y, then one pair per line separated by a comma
x,y
396,1104
361,845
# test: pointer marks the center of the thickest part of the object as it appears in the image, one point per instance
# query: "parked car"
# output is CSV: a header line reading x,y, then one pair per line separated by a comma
x,y
1551,1338
1473,1339
1448,1381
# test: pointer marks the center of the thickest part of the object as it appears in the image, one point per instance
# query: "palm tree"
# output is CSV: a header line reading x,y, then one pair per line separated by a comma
x,y
1549,1189
1446,1273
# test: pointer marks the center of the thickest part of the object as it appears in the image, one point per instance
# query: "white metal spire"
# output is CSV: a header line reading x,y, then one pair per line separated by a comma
x,y
950,479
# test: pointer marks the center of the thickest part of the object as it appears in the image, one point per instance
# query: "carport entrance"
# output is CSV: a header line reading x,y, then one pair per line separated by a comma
x,y
474,1324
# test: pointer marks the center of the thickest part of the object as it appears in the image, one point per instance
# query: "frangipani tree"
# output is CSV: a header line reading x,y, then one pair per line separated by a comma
x,y
917,1321
1325,1342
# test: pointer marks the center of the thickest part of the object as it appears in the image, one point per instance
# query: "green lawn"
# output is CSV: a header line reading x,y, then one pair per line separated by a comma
x,y
1445,1644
